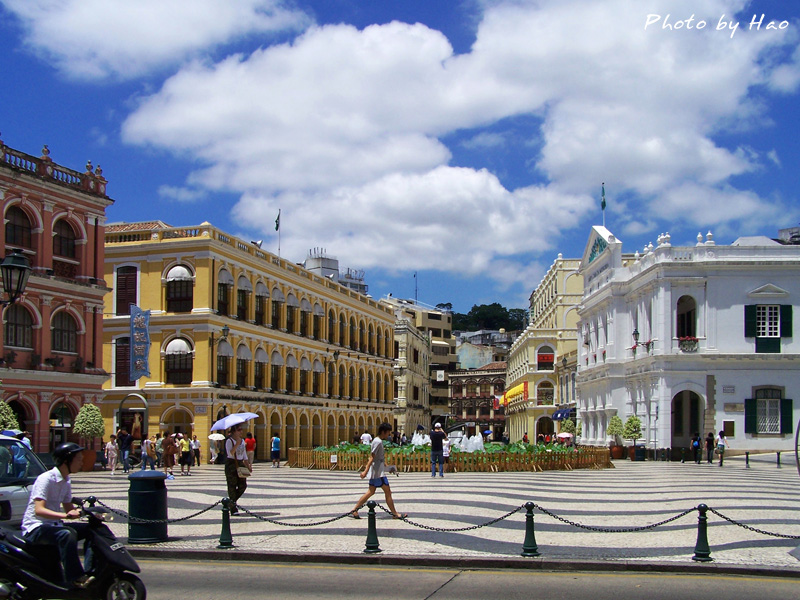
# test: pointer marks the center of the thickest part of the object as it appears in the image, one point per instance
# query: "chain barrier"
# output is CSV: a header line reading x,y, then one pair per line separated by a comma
x,y
283,524
614,529
453,529
131,519
754,529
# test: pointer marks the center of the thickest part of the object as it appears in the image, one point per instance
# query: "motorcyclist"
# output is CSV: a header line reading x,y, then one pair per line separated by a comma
x,y
50,503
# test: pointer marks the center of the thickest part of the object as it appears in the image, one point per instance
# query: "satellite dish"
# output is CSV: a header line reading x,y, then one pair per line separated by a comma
x,y
257,244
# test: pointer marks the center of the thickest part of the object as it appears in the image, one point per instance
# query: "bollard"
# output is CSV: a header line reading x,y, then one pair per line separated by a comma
x,y
225,537
702,552
683,455
529,547
746,460
372,532
779,460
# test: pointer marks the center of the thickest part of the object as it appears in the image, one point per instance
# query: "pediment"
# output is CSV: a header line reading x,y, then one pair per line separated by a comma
x,y
768,291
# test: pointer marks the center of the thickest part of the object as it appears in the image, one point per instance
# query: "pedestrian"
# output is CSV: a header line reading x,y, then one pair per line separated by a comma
x,y
375,471
722,445
366,438
149,453
437,437
169,448
235,457
111,453
159,450
275,450
446,453
49,505
697,447
710,447
125,442
186,454
196,450
214,452
250,447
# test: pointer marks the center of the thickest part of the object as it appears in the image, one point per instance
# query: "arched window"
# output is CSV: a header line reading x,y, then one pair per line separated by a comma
x,y
544,393
224,358
332,329
262,295
178,362
331,378
243,359
64,239
243,298
224,287
65,332
18,228
545,359
292,307
180,290
341,389
686,310
19,327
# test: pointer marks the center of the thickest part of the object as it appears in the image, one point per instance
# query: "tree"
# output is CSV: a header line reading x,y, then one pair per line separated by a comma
x,y
615,429
568,426
8,420
517,319
633,429
579,429
89,423
445,306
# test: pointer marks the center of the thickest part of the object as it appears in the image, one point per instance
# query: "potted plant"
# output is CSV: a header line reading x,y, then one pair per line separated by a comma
x,y
615,431
632,431
89,425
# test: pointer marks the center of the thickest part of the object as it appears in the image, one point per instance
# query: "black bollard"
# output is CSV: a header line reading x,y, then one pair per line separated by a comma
x,y
746,460
779,460
529,547
372,532
225,537
702,552
683,455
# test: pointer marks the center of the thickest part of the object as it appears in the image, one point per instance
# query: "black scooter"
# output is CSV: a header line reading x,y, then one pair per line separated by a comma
x,y
27,570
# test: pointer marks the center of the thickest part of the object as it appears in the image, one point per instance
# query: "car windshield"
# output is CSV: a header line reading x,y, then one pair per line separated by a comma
x,y
18,464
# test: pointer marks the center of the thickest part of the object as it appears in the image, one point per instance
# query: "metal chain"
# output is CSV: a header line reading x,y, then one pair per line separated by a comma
x,y
131,519
454,529
614,529
761,531
276,522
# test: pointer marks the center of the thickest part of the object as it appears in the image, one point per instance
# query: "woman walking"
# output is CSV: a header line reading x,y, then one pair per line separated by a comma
x,y
722,444
111,453
236,457
169,448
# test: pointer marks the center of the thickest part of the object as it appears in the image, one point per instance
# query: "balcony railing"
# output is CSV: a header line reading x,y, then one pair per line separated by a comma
x,y
92,181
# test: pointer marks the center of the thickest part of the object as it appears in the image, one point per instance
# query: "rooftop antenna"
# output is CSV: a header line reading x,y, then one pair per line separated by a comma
x,y
416,299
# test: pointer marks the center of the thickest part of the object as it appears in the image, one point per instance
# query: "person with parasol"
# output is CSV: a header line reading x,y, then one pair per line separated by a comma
x,y
237,466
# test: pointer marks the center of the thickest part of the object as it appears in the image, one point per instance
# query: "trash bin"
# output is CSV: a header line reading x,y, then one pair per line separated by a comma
x,y
639,453
147,499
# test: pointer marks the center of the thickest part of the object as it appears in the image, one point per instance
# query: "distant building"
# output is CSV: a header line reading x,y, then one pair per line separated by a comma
x,y
319,263
474,356
475,399
412,381
52,343
690,339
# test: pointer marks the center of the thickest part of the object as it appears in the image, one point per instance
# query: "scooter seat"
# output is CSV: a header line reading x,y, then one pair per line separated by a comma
x,y
15,538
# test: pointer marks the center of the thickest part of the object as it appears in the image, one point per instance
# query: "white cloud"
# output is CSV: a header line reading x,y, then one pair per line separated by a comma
x,y
181,194
95,39
341,128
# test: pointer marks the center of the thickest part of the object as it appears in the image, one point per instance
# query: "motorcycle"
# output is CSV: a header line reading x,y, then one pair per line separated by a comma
x,y
27,570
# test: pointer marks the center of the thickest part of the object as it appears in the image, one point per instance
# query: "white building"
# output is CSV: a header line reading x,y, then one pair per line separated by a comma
x,y
691,339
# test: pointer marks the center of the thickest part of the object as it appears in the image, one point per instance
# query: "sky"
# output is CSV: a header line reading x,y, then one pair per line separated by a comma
x,y
464,141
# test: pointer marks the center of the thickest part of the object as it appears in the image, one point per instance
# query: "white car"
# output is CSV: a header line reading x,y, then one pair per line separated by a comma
x,y
19,468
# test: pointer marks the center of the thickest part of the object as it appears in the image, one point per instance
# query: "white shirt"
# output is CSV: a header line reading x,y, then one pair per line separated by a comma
x,y
51,487
366,438
241,452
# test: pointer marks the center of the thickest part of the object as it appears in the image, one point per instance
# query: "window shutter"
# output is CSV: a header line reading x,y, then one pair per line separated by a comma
x,y
750,415
786,320
786,416
750,328
126,289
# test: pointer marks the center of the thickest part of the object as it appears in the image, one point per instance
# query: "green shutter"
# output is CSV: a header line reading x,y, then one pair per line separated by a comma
x,y
750,415
768,345
786,320
750,328
787,416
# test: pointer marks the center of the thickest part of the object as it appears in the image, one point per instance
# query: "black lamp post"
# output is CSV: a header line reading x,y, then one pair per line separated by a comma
x,y
16,269
635,335
564,362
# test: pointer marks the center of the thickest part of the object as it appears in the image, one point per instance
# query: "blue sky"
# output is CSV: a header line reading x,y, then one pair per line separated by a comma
x,y
464,140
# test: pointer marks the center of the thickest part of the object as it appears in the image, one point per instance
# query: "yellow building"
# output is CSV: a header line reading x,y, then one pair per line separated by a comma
x,y
234,328
540,380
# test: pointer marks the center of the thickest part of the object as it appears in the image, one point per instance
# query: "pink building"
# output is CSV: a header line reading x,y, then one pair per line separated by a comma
x,y
51,347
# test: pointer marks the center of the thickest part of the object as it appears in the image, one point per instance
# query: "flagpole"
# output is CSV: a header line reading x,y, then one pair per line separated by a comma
x,y
278,229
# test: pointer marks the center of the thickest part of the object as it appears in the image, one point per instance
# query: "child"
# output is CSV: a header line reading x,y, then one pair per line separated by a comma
x,y
376,469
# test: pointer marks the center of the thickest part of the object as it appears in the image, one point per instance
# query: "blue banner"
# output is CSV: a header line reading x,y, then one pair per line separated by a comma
x,y
140,342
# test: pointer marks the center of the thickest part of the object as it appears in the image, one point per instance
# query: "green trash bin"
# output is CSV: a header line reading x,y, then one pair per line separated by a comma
x,y
639,453
147,499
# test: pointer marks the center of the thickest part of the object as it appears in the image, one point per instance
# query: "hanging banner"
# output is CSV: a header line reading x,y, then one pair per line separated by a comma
x,y
140,342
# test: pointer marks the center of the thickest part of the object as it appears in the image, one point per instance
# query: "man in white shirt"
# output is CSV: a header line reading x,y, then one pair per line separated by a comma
x,y
366,438
49,505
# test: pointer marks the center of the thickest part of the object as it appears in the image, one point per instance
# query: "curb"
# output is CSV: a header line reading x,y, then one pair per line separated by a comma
x,y
466,562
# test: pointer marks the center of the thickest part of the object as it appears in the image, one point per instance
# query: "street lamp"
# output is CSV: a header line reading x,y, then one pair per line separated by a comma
x,y
564,362
635,335
16,269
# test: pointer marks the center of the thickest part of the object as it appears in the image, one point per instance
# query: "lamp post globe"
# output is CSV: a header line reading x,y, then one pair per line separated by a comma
x,y
15,270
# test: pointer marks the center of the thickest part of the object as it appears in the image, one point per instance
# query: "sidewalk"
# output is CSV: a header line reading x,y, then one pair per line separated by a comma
x,y
631,495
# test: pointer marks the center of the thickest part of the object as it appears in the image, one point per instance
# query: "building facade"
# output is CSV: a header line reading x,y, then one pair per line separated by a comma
x,y
234,328
475,399
412,380
540,384
51,350
691,339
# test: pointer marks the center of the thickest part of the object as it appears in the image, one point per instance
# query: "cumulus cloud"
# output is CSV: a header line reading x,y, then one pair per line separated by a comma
x,y
96,39
342,128
181,194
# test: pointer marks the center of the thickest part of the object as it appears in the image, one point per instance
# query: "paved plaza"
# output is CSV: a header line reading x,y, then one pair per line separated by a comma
x,y
630,495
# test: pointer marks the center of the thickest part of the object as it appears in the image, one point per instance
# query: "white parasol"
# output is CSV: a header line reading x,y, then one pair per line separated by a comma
x,y
231,420
216,437
564,435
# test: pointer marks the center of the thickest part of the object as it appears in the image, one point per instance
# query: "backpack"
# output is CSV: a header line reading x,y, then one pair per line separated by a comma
x,y
695,444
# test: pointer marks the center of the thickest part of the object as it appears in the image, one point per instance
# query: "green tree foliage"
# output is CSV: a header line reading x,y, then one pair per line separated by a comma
x,y
8,420
518,319
490,316
633,428
615,426
89,423
579,429
568,426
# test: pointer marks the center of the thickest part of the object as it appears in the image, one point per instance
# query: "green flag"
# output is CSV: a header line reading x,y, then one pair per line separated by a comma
x,y
278,221
603,197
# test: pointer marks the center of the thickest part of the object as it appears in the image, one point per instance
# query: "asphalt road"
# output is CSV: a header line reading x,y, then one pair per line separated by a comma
x,y
233,579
